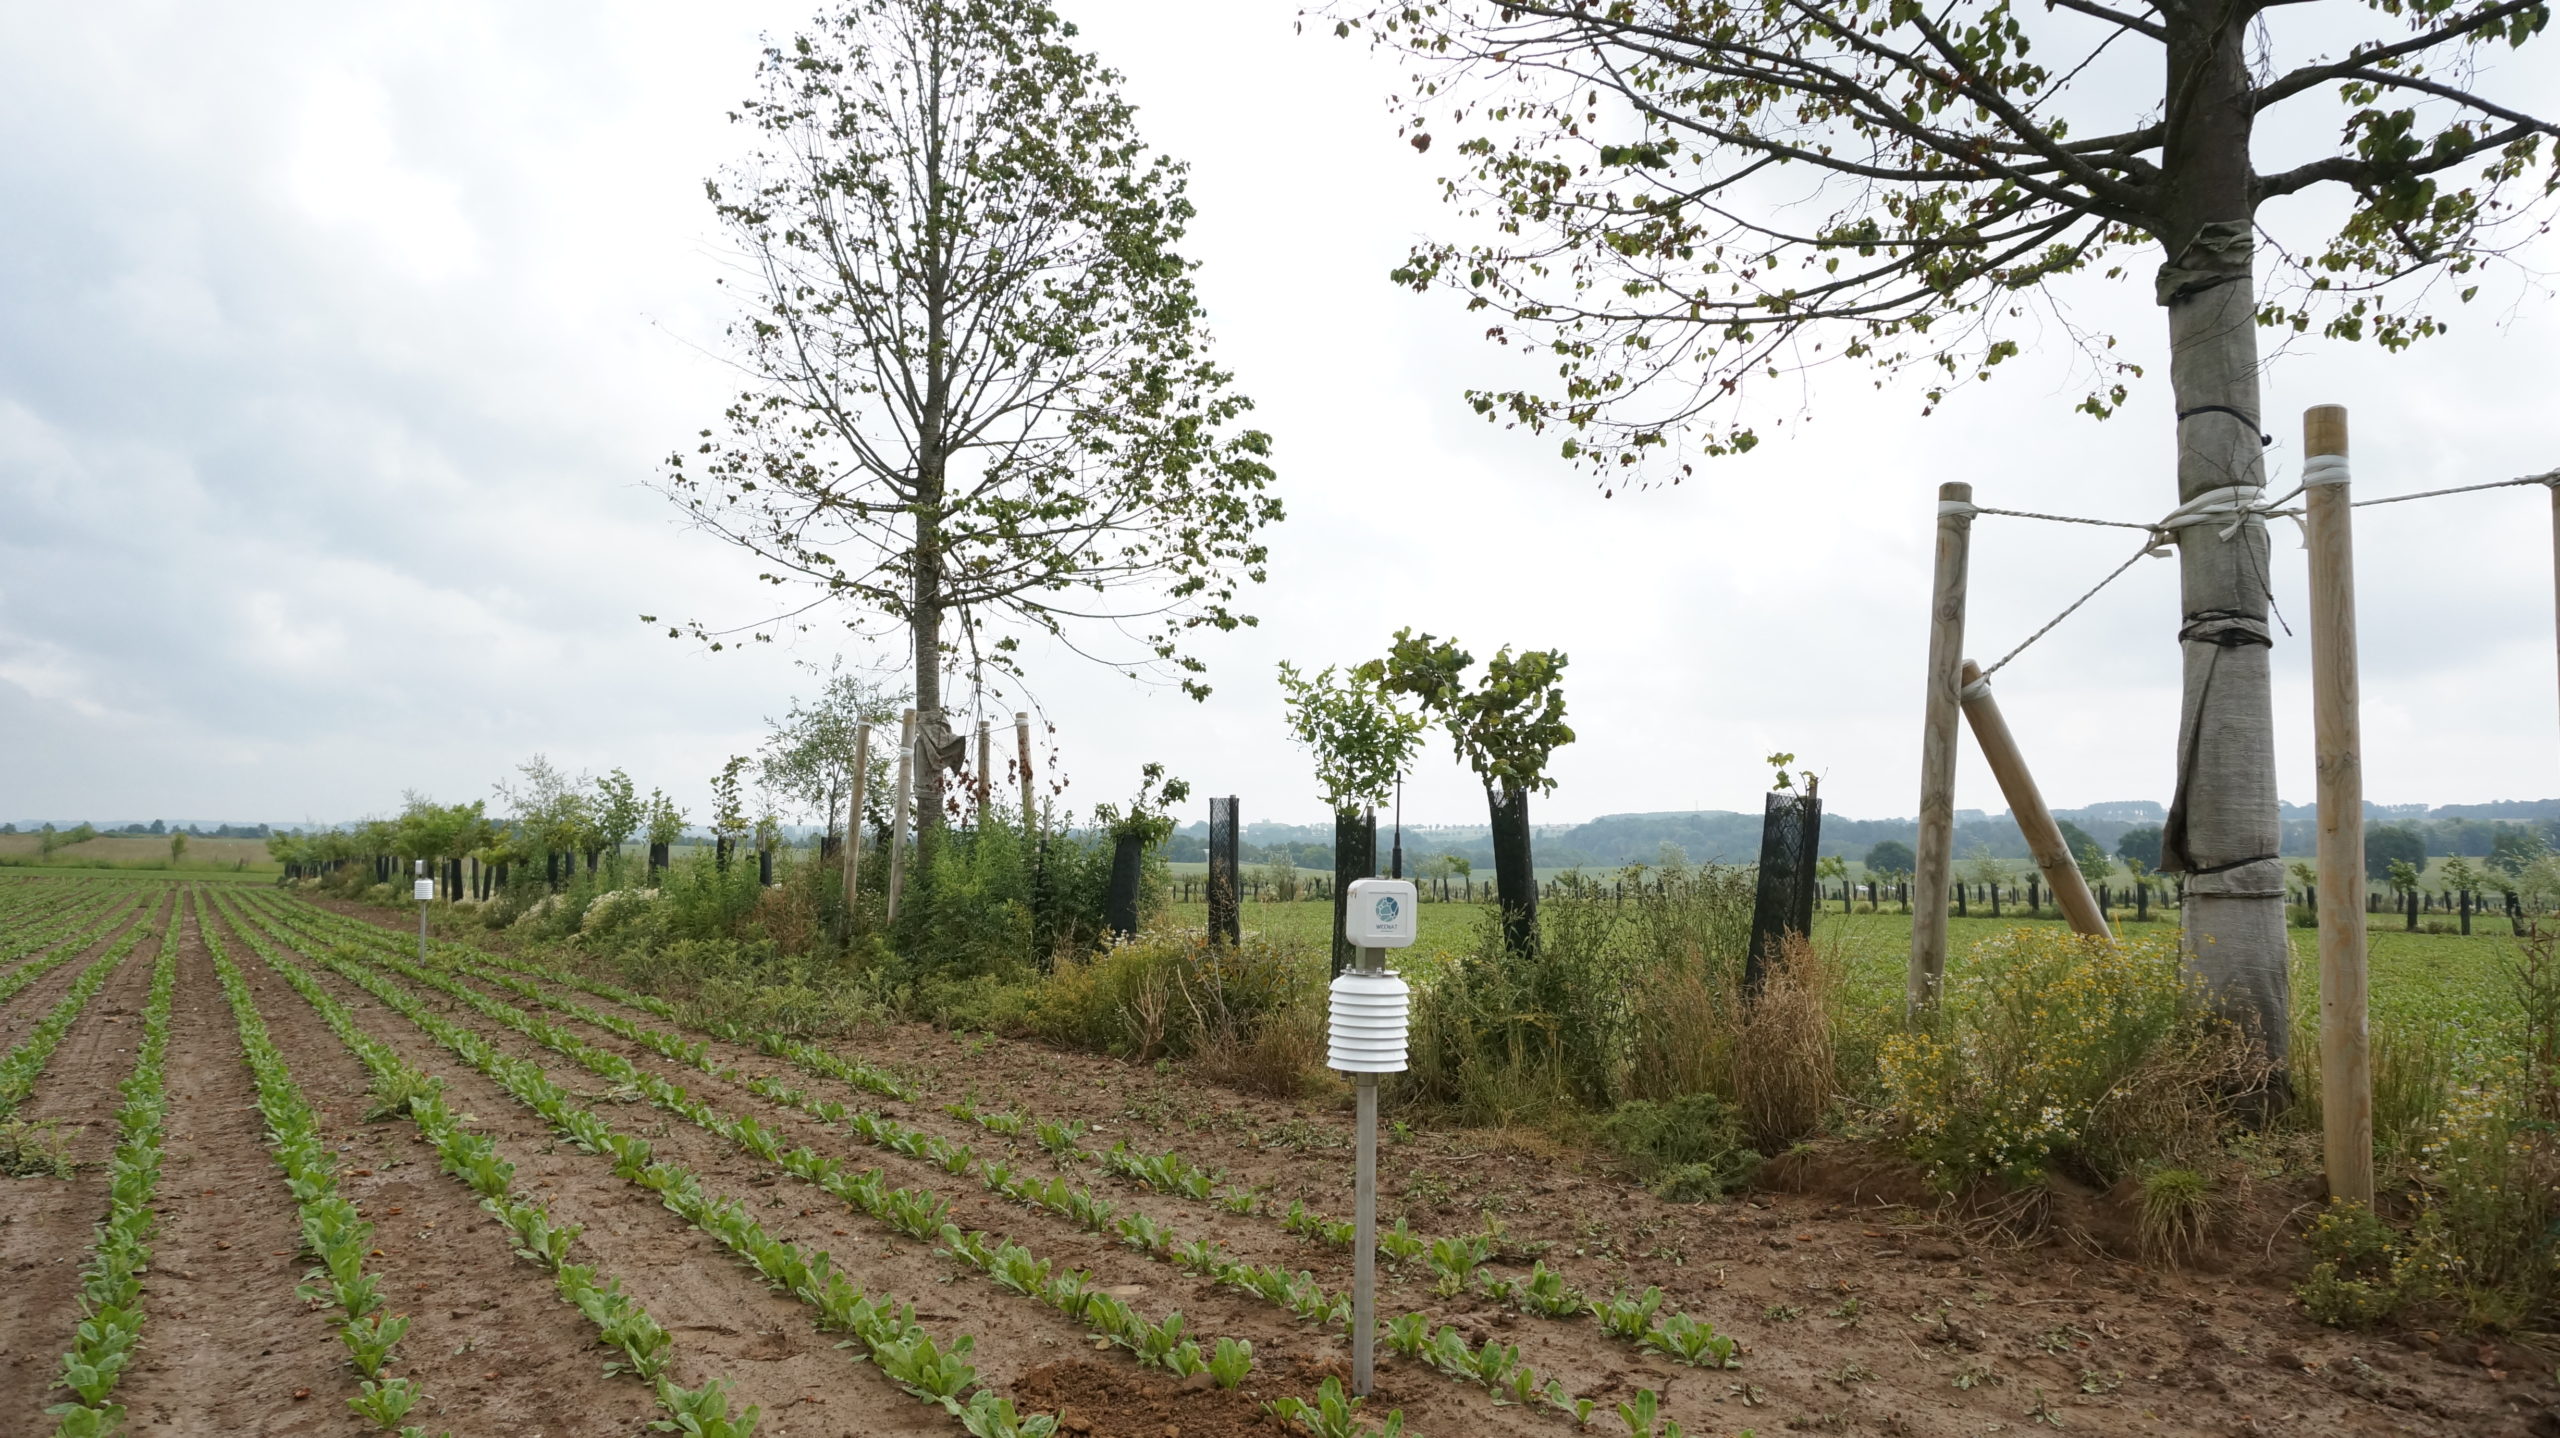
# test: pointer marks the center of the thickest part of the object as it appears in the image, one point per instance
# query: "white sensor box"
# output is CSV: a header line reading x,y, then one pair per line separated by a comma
x,y
1379,914
425,890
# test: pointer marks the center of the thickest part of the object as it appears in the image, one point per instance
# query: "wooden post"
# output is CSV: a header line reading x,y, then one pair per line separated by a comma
x,y
853,817
1022,754
898,813
1934,864
2346,1059
986,759
2026,805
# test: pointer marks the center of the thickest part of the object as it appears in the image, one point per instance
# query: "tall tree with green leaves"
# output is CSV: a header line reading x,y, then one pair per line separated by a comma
x,y
1506,724
1682,198
980,400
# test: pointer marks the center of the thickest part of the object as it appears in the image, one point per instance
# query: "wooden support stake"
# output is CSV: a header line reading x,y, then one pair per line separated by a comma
x,y
2346,1058
853,816
898,815
1934,865
1022,748
986,757
2026,805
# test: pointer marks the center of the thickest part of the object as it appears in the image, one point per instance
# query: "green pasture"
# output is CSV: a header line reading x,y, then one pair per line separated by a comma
x,y
2419,980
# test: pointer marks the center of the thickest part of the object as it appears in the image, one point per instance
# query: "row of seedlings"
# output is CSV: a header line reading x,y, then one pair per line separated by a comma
x,y
484,964
110,1325
23,1064
32,926
334,1233
1297,1292
69,946
916,1213
883,1328
646,1349
1459,1264
1495,1367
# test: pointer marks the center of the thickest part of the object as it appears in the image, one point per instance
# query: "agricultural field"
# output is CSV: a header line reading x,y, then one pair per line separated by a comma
x,y
273,1174
208,857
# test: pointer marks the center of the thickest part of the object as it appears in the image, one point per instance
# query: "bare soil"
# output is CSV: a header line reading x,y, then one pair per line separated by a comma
x,y
45,1223
1863,1307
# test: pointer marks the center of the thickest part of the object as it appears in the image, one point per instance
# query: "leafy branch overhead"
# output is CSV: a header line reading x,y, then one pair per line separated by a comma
x,y
979,381
1362,742
1672,197
1506,725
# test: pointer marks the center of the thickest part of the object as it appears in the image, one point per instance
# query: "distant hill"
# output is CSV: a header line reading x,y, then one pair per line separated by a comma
x,y
1724,836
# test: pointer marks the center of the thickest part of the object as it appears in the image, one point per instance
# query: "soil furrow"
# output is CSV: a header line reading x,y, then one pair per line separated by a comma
x,y
725,1321
46,1224
1286,1350
1863,1307
492,1347
229,1344
27,1008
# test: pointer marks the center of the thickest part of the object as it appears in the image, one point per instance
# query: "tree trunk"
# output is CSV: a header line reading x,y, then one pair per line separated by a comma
x,y
2223,830
1515,870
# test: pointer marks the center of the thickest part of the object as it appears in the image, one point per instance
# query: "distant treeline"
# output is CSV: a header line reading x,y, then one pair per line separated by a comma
x,y
1718,836
155,827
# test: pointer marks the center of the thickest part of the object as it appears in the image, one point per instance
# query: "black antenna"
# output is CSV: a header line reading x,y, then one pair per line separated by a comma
x,y
1395,869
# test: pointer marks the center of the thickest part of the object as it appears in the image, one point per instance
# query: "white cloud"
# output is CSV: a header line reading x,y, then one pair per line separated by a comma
x,y
337,349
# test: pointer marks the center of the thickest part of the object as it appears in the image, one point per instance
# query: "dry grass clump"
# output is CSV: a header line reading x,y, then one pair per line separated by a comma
x,y
1785,1074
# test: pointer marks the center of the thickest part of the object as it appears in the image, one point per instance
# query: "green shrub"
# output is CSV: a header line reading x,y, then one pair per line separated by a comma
x,y
1652,1136
1173,993
1619,999
2055,1048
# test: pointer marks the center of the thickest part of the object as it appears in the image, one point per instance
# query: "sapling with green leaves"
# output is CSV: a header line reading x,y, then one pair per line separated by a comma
x,y
1506,725
1362,742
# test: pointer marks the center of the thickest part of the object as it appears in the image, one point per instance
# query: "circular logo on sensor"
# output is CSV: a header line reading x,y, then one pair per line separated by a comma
x,y
1388,908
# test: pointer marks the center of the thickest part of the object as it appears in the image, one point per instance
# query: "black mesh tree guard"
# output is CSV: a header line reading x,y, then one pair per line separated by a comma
x,y
1790,831
1355,857
1226,914
1120,901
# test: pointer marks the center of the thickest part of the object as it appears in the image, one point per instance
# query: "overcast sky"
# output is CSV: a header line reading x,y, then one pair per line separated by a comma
x,y
339,345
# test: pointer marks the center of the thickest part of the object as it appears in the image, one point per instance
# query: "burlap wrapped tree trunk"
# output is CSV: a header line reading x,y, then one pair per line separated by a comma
x,y
2223,828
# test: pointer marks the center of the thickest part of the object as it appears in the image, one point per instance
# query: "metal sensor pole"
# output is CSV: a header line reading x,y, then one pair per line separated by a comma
x,y
1364,1218
424,889
1365,1037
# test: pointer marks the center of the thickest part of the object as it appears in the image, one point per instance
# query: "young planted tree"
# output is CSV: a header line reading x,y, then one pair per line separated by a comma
x,y
664,823
1684,196
614,815
1506,726
1362,743
981,401
808,753
552,813
728,809
1146,825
